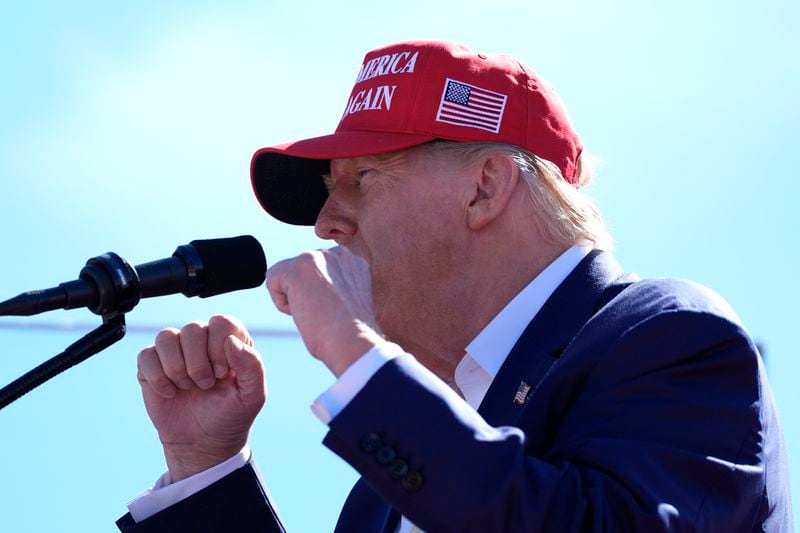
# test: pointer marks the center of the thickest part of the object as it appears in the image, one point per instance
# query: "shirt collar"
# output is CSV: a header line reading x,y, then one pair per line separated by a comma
x,y
493,344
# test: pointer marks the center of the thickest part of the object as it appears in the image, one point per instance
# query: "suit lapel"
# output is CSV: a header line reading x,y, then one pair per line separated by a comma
x,y
547,335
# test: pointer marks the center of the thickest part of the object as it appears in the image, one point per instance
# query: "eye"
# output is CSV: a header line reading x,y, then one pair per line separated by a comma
x,y
362,174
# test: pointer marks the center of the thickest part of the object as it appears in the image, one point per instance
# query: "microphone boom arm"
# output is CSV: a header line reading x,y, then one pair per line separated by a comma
x,y
97,340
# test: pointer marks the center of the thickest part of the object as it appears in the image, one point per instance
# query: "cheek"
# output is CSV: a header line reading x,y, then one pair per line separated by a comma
x,y
405,269
405,289
412,241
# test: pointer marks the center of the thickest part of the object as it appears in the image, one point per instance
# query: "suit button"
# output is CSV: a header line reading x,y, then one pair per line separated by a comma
x,y
385,455
398,468
412,482
371,442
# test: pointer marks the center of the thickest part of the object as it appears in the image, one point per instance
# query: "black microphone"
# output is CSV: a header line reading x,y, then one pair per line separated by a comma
x,y
109,285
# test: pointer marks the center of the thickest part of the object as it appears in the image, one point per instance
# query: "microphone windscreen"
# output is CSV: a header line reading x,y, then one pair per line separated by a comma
x,y
230,264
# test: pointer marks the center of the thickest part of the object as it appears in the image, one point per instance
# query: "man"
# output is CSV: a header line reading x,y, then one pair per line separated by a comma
x,y
496,369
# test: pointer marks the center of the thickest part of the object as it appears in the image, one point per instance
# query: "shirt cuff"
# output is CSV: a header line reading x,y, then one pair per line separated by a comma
x,y
165,493
350,383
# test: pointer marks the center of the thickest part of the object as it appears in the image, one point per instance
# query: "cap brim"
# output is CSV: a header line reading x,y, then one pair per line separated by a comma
x,y
287,178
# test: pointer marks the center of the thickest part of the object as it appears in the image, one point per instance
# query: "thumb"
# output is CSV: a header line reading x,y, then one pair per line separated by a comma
x,y
246,362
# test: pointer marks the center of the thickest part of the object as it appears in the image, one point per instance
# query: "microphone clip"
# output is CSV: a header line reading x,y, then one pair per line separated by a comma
x,y
110,287
118,288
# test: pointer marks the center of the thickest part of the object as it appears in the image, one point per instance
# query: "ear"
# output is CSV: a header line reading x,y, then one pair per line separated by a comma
x,y
493,187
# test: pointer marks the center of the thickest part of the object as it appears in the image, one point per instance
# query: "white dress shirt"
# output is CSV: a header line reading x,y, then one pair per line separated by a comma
x,y
474,374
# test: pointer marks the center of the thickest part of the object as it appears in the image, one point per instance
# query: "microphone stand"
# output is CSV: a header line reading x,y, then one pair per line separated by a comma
x,y
97,340
118,291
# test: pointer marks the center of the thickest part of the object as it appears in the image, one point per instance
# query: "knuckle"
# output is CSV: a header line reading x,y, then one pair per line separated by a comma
x,y
167,335
307,264
274,282
308,259
146,354
276,269
193,328
223,323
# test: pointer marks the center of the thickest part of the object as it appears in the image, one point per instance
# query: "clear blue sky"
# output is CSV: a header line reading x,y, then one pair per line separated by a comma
x,y
128,126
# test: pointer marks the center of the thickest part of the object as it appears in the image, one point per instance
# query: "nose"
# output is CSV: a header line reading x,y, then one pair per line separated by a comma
x,y
334,222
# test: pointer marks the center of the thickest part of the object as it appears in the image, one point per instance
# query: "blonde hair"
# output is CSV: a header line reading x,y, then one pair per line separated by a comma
x,y
563,212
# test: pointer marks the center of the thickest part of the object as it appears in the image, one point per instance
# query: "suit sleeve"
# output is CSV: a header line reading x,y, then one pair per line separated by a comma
x,y
659,432
238,502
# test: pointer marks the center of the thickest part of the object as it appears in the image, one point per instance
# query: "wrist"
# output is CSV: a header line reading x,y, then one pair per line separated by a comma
x,y
186,461
348,353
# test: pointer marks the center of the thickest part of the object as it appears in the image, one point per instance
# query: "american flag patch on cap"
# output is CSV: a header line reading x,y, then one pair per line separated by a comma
x,y
471,106
522,393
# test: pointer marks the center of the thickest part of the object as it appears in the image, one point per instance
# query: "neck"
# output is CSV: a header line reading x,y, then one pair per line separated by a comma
x,y
483,285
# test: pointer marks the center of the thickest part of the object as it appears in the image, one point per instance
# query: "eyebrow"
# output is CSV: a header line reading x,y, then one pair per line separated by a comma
x,y
375,159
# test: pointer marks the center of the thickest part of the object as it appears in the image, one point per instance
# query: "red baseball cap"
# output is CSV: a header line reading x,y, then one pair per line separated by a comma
x,y
411,93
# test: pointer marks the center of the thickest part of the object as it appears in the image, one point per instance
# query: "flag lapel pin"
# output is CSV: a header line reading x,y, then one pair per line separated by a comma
x,y
522,393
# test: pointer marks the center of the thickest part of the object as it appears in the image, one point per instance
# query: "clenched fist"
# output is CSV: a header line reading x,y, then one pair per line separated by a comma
x,y
327,293
203,386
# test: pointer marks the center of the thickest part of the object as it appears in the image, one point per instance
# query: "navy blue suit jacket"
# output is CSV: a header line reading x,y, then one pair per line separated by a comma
x,y
649,410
